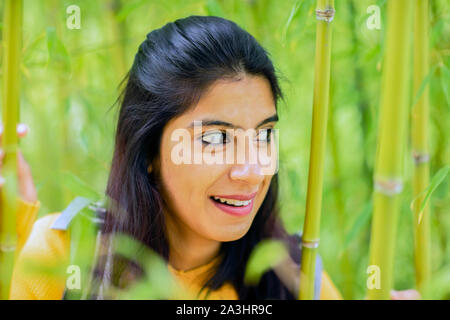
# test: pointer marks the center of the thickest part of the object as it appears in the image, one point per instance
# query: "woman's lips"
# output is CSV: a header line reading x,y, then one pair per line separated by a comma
x,y
234,210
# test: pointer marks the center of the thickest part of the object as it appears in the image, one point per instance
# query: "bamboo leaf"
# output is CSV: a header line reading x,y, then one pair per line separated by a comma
x,y
445,80
32,48
298,11
292,15
435,182
213,8
158,282
362,220
423,85
78,186
267,254
57,52
129,8
436,31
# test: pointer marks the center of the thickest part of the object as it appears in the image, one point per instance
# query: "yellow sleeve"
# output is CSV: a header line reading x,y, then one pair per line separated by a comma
x,y
26,216
39,271
328,290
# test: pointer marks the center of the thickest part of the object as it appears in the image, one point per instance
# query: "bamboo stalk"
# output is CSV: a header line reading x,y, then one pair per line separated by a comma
x,y
311,229
388,178
420,138
12,38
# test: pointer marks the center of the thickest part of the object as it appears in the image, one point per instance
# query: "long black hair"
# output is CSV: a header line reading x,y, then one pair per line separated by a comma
x,y
172,69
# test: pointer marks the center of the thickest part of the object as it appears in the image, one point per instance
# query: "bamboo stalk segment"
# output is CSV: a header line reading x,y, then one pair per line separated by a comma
x,y
12,38
388,177
419,140
311,230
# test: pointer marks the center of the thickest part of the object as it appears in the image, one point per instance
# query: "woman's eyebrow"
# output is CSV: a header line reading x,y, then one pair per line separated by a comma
x,y
210,122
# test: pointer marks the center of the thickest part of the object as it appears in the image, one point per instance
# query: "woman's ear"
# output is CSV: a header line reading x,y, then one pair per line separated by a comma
x,y
153,167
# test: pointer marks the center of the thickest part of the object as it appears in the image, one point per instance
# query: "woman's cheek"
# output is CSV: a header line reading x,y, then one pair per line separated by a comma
x,y
264,189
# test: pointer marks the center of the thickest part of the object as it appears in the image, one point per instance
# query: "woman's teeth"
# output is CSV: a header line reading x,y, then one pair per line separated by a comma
x,y
231,202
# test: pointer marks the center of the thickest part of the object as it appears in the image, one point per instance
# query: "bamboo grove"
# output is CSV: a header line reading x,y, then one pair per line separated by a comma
x,y
364,151
388,175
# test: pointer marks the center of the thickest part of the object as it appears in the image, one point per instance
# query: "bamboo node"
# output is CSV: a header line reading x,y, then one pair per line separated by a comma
x,y
7,248
388,187
312,244
420,157
325,15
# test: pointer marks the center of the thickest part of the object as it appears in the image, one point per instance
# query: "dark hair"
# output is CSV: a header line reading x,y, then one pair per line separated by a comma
x,y
172,69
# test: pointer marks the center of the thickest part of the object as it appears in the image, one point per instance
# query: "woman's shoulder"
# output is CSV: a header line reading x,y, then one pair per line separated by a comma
x,y
45,240
39,271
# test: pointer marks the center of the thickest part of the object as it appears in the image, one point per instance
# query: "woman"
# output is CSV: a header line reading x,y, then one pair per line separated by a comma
x,y
210,82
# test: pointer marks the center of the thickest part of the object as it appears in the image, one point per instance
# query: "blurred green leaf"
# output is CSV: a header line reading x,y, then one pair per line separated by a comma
x,y
267,254
129,8
361,221
57,52
423,85
298,13
78,186
445,81
438,288
435,182
213,8
30,50
158,282
436,31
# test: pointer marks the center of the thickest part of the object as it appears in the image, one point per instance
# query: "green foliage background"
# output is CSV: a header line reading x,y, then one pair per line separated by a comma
x,y
70,79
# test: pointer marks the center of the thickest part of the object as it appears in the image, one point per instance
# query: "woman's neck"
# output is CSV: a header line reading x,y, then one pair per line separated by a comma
x,y
188,250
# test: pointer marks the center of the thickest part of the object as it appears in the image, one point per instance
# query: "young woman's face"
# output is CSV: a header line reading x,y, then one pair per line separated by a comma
x,y
208,197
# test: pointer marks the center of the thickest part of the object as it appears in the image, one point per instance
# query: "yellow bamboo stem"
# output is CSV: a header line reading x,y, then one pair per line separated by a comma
x,y
391,143
311,229
12,38
419,139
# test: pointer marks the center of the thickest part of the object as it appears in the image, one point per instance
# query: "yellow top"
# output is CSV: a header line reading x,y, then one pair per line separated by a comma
x,y
49,249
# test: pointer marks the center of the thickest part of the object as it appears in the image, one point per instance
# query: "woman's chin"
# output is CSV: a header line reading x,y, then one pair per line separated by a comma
x,y
230,233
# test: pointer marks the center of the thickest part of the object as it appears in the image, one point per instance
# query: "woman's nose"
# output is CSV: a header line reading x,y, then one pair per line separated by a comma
x,y
247,172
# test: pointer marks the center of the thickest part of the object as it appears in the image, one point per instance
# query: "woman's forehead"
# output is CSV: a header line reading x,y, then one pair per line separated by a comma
x,y
244,103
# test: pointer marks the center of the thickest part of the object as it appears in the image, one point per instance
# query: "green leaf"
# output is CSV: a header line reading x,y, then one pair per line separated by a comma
x,y
158,282
445,80
129,8
299,10
213,8
435,182
423,85
436,32
266,255
362,220
292,15
30,50
78,186
57,52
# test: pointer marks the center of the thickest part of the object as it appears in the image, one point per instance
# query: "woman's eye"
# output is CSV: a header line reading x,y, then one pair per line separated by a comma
x,y
264,135
215,138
